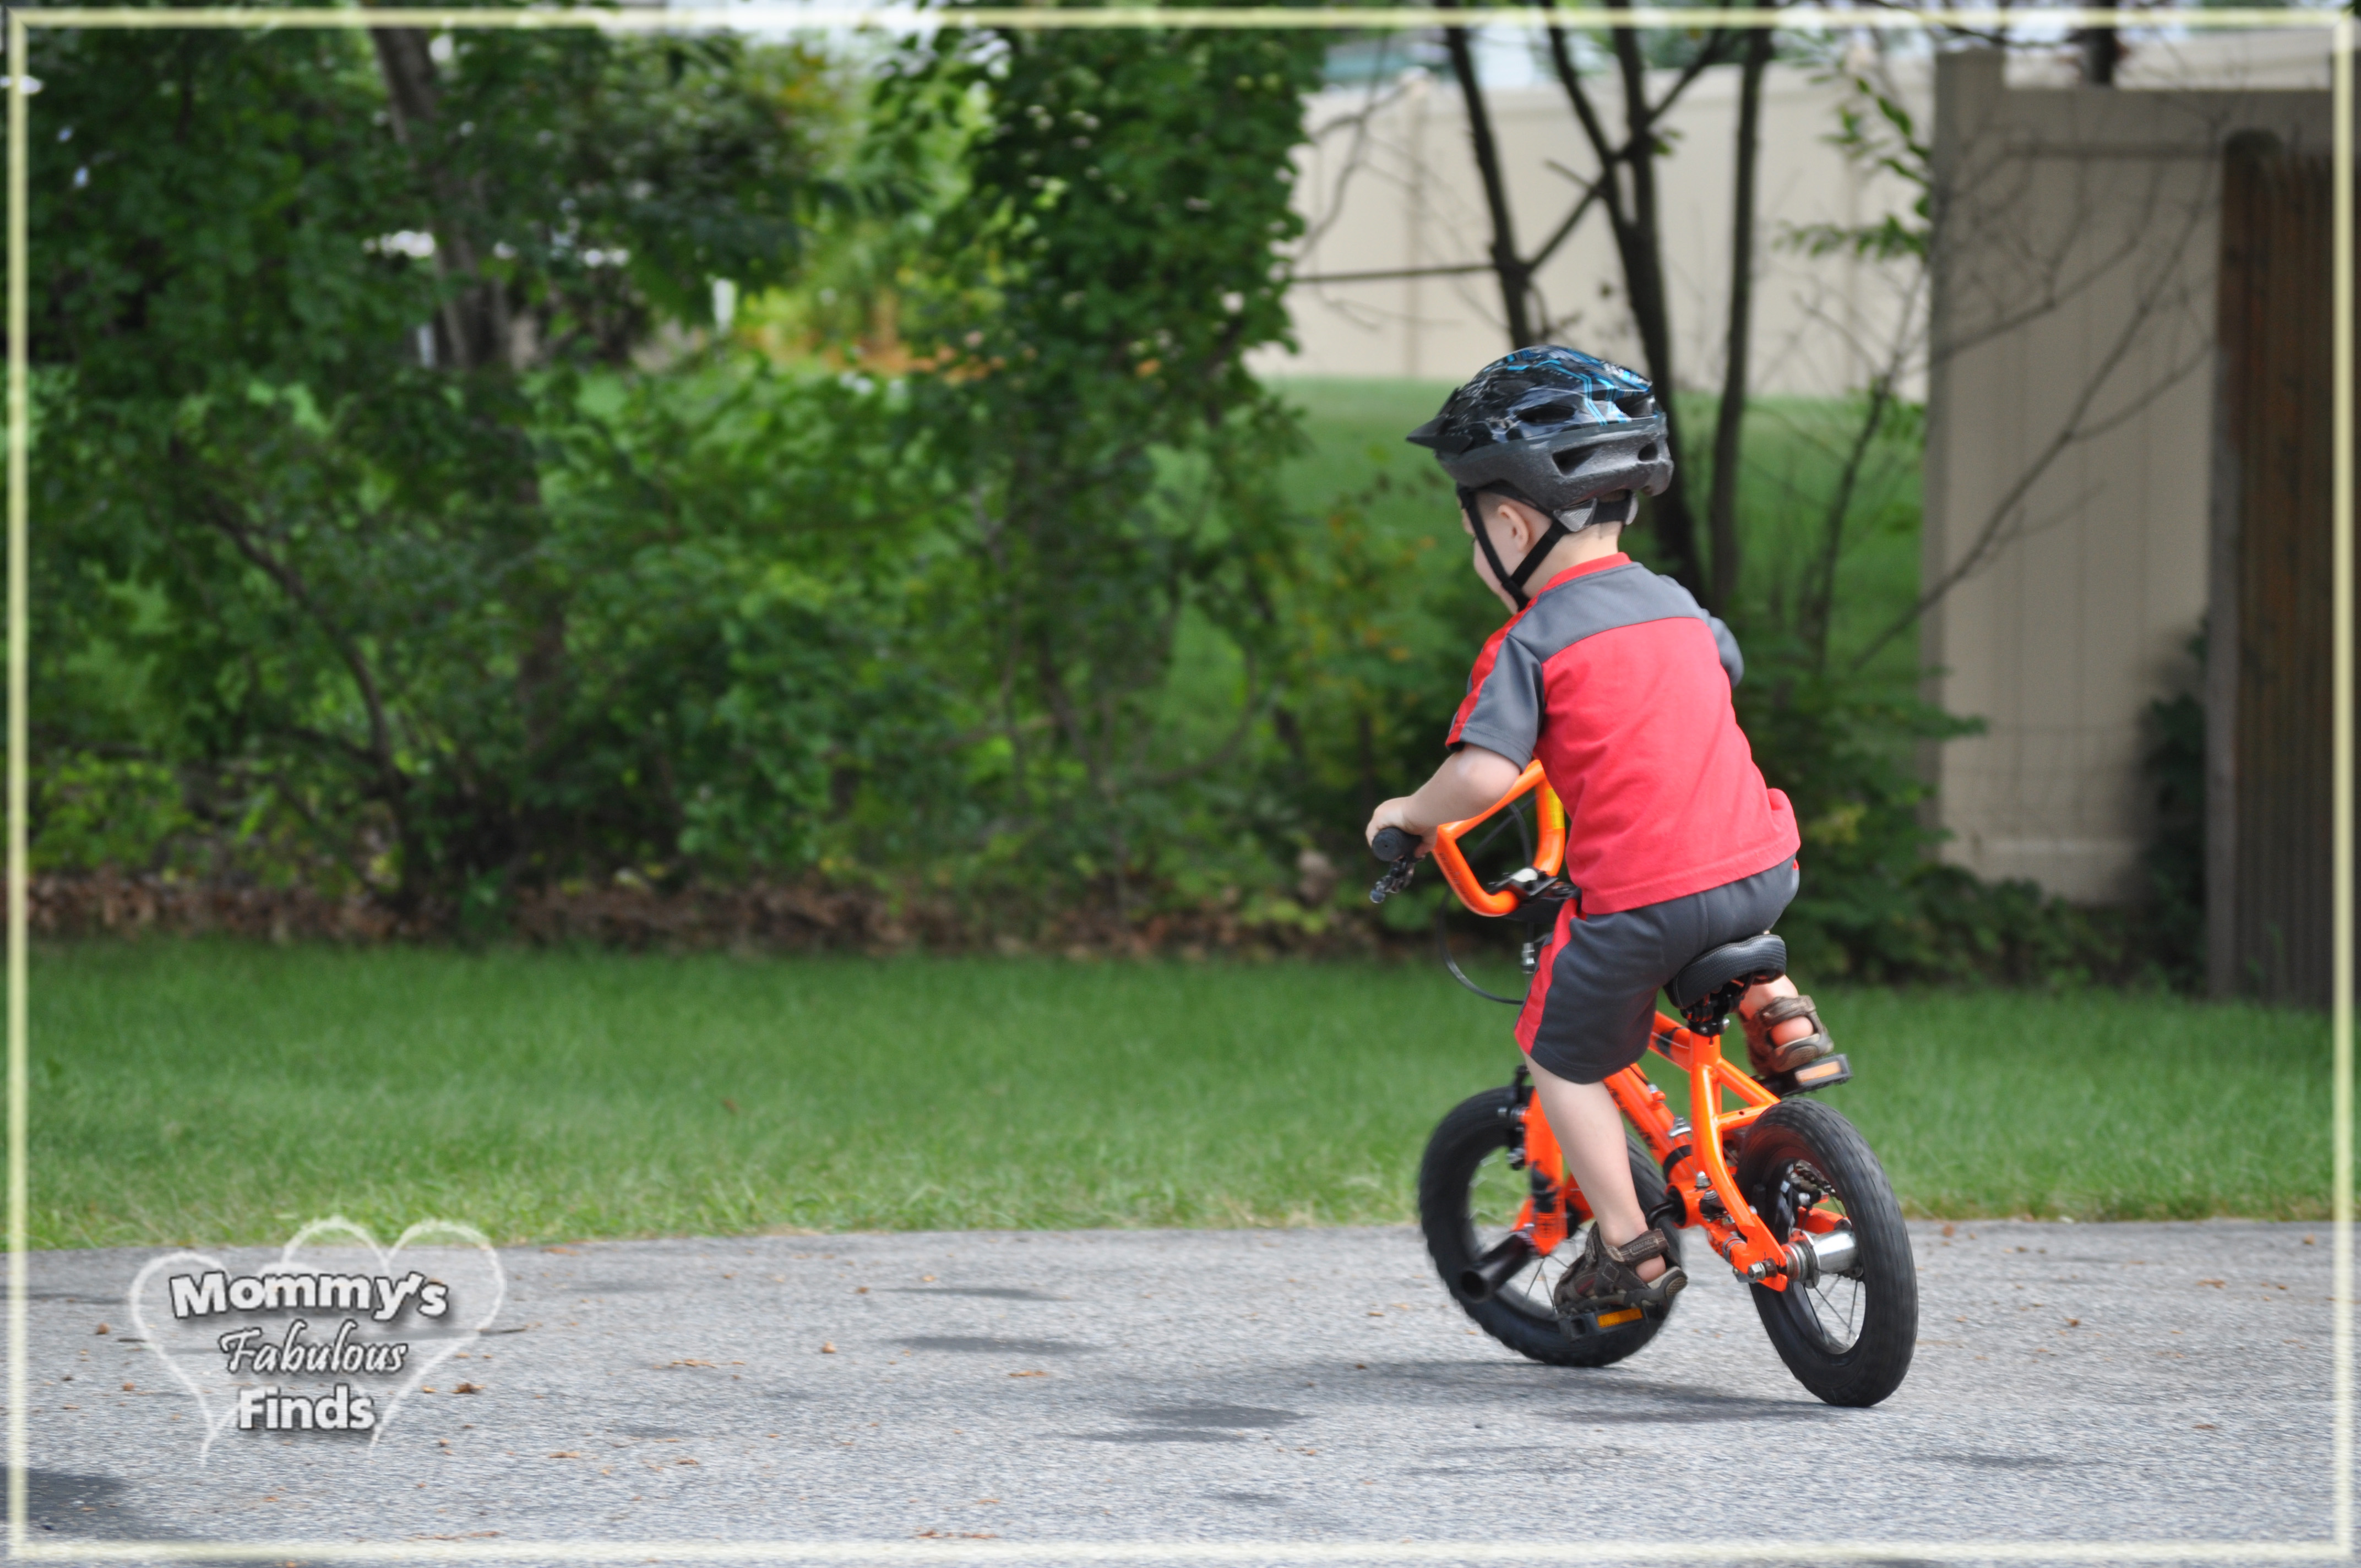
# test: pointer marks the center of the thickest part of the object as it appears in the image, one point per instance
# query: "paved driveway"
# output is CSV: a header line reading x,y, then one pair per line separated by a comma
x,y
1260,1395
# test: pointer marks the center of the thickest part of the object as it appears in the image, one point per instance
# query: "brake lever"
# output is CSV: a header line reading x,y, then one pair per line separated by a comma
x,y
1397,878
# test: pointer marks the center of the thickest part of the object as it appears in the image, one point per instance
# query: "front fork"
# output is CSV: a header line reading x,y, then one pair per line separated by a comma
x,y
1554,1206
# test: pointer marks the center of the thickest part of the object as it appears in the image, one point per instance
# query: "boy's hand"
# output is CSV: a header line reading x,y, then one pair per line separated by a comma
x,y
1395,813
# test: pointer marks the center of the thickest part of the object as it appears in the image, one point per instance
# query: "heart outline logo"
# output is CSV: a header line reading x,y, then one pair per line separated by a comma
x,y
314,1234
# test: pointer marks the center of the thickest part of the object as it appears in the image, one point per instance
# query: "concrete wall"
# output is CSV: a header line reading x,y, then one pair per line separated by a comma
x,y
2069,451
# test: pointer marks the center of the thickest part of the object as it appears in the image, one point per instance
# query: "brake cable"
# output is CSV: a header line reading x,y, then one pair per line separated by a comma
x,y
1514,814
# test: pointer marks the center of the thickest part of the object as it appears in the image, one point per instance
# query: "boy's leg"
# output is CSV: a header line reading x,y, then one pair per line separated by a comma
x,y
1590,1135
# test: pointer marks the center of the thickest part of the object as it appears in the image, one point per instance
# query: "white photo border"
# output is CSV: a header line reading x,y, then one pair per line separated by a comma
x,y
20,85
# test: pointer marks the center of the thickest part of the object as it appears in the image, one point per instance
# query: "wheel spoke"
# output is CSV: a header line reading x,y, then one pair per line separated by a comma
x,y
1833,1323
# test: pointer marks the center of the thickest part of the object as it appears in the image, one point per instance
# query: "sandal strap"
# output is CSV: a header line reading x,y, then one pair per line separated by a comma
x,y
1648,1244
1786,1009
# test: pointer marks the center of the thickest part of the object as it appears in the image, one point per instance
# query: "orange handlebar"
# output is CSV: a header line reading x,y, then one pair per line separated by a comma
x,y
1549,851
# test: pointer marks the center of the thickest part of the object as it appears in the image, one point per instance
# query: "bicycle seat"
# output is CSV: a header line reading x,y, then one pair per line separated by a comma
x,y
1732,966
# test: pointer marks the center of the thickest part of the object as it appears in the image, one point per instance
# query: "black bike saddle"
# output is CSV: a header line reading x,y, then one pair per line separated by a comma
x,y
1732,966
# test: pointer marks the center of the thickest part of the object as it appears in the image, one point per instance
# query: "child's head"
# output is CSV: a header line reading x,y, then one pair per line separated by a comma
x,y
1542,443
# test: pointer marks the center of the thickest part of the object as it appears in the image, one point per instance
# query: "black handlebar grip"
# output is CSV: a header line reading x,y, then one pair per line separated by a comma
x,y
1392,844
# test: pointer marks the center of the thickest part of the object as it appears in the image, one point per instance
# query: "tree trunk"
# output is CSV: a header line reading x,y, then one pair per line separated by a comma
x,y
1815,612
2101,49
1729,434
473,320
1515,275
1640,243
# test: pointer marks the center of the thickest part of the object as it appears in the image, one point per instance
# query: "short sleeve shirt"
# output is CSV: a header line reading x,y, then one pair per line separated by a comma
x,y
1620,682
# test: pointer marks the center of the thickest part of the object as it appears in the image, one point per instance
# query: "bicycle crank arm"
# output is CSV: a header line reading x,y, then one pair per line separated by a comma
x,y
1483,1279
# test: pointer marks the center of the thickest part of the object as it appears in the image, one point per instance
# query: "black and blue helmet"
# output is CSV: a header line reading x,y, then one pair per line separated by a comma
x,y
1553,427
1559,430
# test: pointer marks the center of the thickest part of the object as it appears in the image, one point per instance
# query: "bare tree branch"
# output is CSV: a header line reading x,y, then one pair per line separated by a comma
x,y
1721,505
1358,121
1564,231
1395,274
2075,428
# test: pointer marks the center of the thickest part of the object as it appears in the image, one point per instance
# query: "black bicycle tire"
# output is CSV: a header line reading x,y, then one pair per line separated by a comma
x,y
1475,1128
1874,1365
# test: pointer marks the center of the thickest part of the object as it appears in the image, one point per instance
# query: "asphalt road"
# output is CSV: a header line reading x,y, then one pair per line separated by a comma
x,y
1261,1396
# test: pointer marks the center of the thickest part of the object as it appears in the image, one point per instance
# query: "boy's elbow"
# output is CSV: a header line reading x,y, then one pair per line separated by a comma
x,y
1487,770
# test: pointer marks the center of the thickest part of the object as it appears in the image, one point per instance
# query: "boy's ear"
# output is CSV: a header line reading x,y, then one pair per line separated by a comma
x,y
1528,520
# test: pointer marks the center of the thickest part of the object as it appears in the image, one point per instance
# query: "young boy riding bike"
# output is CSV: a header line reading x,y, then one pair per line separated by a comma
x,y
1619,684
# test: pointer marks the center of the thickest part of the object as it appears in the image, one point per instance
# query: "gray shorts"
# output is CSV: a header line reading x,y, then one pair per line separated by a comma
x,y
1594,995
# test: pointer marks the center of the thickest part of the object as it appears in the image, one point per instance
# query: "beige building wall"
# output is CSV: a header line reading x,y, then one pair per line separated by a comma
x,y
2069,451
1387,184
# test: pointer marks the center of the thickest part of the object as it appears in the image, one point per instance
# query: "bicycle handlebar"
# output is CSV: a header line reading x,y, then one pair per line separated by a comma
x,y
1549,848
1401,848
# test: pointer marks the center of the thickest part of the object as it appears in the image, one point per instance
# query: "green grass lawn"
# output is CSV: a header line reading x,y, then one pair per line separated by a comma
x,y
216,1093
1354,429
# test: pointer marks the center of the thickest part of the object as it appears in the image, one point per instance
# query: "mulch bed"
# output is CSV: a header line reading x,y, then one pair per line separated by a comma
x,y
809,916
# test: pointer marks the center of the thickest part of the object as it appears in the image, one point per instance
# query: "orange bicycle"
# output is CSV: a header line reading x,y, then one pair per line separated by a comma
x,y
1784,1188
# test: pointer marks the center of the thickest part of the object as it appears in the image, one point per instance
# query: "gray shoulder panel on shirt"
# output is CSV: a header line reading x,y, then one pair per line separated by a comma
x,y
1619,595
1507,711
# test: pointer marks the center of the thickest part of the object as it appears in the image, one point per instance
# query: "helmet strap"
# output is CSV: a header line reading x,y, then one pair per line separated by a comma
x,y
1513,582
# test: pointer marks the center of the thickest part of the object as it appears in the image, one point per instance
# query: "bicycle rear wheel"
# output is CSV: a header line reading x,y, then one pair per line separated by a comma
x,y
1468,1200
1848,1336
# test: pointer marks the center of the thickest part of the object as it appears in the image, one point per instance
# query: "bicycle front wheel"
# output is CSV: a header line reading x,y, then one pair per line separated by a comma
x,y
1467,1201
1849,1335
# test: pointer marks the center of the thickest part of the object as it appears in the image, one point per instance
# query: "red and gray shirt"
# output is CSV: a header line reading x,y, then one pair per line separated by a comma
x,y
1620,682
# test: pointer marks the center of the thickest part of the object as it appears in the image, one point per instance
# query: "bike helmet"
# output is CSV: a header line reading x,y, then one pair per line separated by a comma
x,y
1558,430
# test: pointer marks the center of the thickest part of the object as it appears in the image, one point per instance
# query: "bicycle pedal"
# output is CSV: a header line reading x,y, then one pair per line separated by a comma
x,y
1825,1073
1580,1325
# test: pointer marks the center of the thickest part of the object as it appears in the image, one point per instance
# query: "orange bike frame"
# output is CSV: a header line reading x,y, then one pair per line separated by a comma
x,y
1696,1158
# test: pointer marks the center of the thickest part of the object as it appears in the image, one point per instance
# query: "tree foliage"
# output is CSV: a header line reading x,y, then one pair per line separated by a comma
x,y
392,512
1097,286
350,495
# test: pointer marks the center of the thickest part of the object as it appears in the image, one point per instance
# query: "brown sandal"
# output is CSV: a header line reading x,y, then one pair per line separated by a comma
x,y
1606,1277
1771,1059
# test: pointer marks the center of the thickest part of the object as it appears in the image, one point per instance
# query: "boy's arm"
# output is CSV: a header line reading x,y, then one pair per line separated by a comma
x,y
1470,780
1733,662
